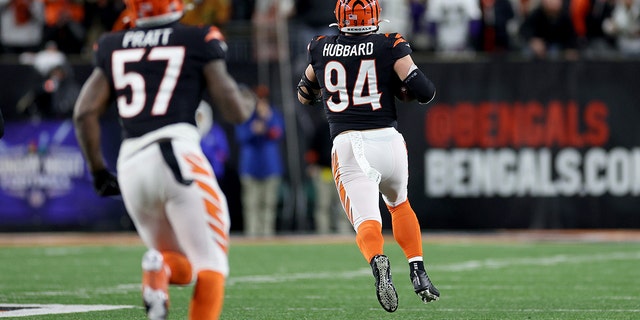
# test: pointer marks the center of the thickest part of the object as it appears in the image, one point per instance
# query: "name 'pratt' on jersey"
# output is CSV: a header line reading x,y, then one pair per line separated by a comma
x,y
345,50
149,38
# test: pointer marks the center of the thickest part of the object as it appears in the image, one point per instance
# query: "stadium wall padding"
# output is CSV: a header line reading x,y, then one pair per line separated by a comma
x,y
521,144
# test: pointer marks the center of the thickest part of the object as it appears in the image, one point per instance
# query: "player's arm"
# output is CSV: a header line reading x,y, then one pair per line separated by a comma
x,y
90,105
224,91
308,87
419,85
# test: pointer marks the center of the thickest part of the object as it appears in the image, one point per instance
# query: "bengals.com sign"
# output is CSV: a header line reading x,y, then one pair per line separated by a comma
x,y
525,149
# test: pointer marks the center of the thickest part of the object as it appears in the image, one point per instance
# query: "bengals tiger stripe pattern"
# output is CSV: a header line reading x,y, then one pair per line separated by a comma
x,y
357,16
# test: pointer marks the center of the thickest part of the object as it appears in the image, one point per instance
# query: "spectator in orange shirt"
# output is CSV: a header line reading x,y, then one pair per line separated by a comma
x,y
64,25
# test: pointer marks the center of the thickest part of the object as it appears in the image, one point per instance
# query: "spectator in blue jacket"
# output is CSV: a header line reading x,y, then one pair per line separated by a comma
x,y
260,166
213,139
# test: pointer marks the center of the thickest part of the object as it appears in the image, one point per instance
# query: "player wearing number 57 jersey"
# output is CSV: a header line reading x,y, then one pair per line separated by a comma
x,y
156,73
357,74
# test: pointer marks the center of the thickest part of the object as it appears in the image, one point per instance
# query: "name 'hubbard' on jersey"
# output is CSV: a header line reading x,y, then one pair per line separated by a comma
x,y
357,77
156,73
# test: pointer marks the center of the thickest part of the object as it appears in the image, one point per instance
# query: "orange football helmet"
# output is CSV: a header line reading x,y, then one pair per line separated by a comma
x,y
155,12
357,16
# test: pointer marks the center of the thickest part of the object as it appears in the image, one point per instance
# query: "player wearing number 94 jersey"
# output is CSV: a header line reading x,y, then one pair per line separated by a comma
x,y
156,73
357,74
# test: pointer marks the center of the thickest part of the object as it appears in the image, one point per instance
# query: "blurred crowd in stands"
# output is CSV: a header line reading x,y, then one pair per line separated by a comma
x,y
50,34
535,28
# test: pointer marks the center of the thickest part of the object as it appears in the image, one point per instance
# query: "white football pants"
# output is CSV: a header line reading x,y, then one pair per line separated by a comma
x,y
365,164
174,199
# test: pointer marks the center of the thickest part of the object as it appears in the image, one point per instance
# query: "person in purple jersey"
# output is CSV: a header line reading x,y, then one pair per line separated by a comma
x,y
157,72
357,75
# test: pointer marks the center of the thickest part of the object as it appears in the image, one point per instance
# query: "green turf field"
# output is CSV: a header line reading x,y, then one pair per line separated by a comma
x,y
532,280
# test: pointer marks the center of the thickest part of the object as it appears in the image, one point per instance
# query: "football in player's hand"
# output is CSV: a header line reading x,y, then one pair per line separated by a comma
x,y
404,94
401,91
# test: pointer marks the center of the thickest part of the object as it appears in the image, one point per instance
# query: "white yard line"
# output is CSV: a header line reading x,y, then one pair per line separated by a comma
x,y
589,310
470,265
491,263
538,261
24,310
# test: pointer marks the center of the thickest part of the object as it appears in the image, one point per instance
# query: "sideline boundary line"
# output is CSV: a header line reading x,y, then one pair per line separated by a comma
x,y
8,310
18,239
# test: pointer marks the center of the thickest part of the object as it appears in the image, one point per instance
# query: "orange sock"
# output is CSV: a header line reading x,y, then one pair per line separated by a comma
x,y
180,267
208,296
155,275
369,239
155,280
406,229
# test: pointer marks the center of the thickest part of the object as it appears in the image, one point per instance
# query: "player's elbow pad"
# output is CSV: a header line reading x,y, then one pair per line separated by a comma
x,y
421,87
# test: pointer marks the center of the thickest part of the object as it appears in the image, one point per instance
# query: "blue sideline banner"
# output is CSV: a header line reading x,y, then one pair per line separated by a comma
x,y
44,182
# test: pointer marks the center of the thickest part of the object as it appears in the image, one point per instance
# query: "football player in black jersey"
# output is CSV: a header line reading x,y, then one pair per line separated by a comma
x,y
357,75
156,73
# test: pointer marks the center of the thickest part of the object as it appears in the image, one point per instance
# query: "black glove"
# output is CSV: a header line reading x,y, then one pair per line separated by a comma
x,y
105,183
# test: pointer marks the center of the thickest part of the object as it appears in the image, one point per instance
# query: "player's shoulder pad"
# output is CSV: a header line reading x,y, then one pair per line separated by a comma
x,y
107,37
315,42
395,38
213,33
107,40
212,37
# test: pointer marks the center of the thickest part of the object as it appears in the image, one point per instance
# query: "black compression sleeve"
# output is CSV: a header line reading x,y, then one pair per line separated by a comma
x,y
420,86
310,88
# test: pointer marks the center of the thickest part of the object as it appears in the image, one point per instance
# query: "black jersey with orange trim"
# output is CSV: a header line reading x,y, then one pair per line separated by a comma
x,y
156,74
357,79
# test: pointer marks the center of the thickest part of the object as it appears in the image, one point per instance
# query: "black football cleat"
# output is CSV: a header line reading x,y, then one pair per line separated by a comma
x,y
423,287
386,292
